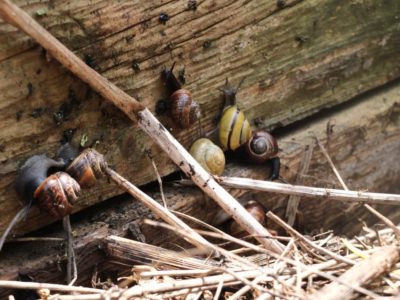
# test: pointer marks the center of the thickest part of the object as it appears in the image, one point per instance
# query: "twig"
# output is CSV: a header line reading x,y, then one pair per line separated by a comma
x,y
311,192
158,177
72,270
385,220
361,274
188,283
53,287
298,235
294,200
192,236
36,239
146,121
18,217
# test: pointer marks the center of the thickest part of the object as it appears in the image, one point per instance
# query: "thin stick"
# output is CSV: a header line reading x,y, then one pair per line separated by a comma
x,y
72,270
385,220
298,235
311,192
147,122
294,200
192,236
361,274
18,217
53,287
36,239
158,177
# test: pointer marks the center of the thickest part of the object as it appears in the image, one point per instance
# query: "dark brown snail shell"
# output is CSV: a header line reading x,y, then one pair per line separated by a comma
x,y
256,210
184,110
261,146
87,168
57,194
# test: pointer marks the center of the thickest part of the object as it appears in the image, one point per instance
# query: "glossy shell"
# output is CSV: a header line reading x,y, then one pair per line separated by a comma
x,y
261,146
234,129
209,156
57,194
256,210
87,168
184,110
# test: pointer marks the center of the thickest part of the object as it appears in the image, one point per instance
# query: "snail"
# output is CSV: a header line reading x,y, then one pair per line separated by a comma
x,y
256,210
89,166
55,193
262,147
234,129
183,109
209,156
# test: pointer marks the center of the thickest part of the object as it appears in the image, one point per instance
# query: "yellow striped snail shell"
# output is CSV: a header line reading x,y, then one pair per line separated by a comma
x,y
234,129
208,155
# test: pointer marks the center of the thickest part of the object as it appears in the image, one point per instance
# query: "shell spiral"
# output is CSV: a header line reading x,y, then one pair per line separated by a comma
x,y
261,146
209,156
87,168
184,110
57,194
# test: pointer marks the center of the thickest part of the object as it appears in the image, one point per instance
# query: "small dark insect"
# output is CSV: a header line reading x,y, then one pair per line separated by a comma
x,y
135,66
90,61
37,112
207,44
181,76
281,3
301,39
163,18
67,135
18,115
192,4
30,88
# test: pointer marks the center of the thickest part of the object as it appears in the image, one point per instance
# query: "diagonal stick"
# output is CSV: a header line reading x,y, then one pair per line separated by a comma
x,y
146,121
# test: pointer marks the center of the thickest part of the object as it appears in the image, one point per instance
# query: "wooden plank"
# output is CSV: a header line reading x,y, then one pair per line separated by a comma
x,y
297,60
364,143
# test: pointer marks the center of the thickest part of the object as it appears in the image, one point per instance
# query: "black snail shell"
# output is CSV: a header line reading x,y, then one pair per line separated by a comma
x,y
261,146
184,110
89,166
208,155
55,193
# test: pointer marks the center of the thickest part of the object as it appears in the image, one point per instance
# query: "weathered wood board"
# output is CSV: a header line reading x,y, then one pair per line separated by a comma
x,y
364,145
297,60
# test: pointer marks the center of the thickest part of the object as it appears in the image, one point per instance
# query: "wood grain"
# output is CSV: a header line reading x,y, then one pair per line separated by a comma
x,y
297,60
364,132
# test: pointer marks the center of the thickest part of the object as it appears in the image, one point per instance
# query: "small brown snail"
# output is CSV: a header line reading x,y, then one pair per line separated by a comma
x,y
262,147
256,210
55,193
209,156
183,109
234,129
89,166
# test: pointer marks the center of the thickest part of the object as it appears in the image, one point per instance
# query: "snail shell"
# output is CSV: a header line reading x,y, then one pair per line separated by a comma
x,y
184,110
57,194
234,128
256,210
261,146
54,194
87,168
209,156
